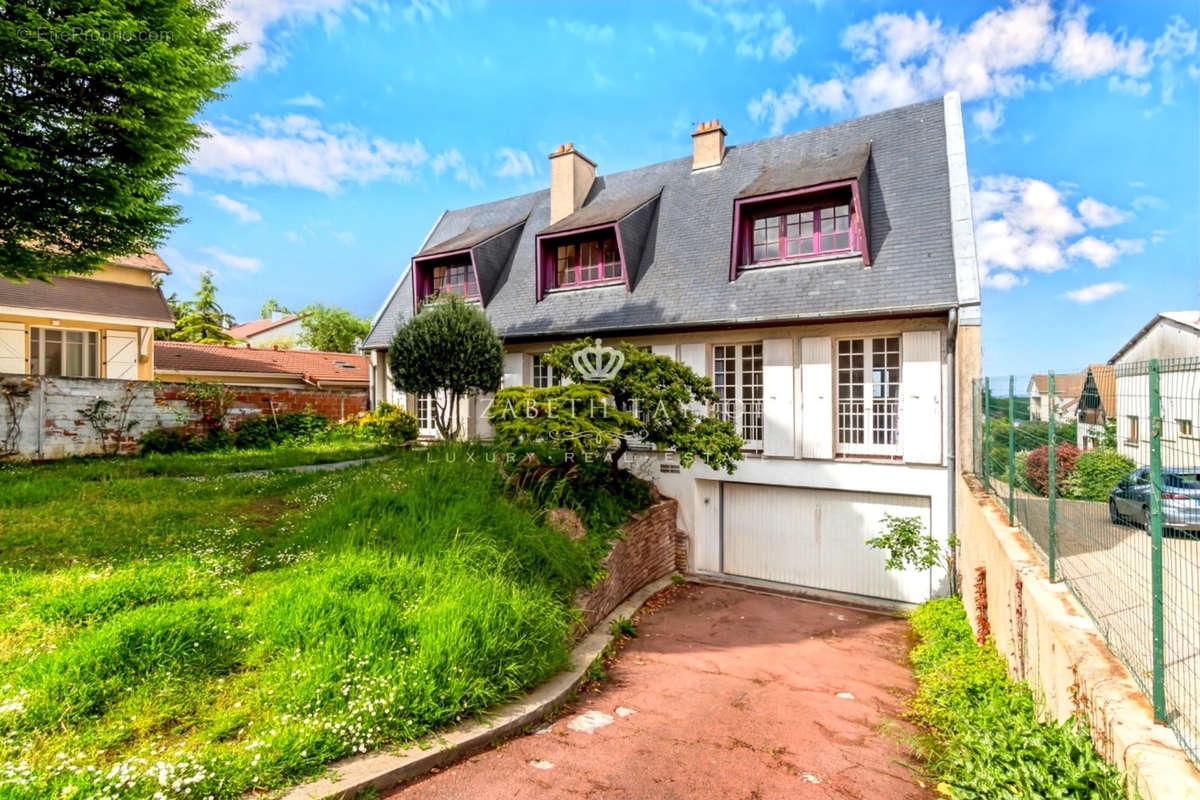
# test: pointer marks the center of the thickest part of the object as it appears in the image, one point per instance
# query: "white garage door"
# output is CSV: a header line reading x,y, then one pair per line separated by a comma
x,y
816,538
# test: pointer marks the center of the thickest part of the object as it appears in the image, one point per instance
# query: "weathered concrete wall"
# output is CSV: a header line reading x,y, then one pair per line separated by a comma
x,y
41,418
646,553
1048,639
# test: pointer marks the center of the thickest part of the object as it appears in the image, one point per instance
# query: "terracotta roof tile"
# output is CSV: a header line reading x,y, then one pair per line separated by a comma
x,y
149,260
309,365
257,326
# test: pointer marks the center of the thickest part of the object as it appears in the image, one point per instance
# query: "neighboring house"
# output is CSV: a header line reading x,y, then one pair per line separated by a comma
x,y
1172,337
278,330
825,281
95,326
1097,405
1066,397
243,365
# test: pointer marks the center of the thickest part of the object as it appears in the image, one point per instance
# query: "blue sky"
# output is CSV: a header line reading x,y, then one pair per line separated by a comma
x,y
354,124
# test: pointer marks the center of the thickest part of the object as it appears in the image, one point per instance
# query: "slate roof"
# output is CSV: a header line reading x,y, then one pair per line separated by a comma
x,y
88,296
681,276
311,366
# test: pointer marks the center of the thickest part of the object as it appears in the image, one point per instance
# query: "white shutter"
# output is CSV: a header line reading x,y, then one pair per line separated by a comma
x,y
120,361
667,350
514,369
921,397
695,356
779,438
816,397
12,348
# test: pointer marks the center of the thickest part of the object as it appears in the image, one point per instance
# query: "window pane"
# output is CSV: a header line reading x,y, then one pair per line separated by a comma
x,y
826,220
589,261
841,218
806,223
52,363
612,258
35,347
806,246
885,390
793,225
565,272
839,241
93,354
751,427
73,354
725,380
793,246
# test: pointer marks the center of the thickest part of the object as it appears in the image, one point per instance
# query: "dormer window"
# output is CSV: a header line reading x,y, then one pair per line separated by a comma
x,y
455,279
589,259
815,231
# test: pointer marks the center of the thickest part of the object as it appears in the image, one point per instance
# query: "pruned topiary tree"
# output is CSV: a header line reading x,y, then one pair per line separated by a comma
x,y
448,351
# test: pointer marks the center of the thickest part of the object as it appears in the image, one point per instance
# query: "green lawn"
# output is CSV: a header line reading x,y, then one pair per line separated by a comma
x,y
205,636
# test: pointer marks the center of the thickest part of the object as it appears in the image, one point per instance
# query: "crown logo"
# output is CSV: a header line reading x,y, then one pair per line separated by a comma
x,y
598,363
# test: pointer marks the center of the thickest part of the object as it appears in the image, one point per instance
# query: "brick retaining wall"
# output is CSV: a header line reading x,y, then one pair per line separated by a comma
x,y
647,552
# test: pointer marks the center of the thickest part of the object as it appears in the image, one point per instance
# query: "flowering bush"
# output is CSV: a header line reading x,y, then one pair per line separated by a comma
x,y
389,424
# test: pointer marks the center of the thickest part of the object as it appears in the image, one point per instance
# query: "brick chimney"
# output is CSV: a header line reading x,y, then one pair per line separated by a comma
x,y
571,177
708,145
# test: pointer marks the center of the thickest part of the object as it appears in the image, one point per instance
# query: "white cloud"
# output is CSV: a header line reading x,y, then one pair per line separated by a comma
x,y
513,163
1159,235
1098,215
756,31
296,150
1025,224
243,263
243,212
901,58
1097,291
784,44
1101,253
183,185
307,100
184,268
989,117
587,31
453,161
677,36
1144,201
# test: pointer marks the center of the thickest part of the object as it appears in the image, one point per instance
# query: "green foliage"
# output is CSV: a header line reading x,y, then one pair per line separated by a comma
x,y
578,418
202,319
331,329
1097,472
267,430
447,351
908,546
267,624
984,738
623,627
109,419
211,401
269,307
98,108
660,392
387,423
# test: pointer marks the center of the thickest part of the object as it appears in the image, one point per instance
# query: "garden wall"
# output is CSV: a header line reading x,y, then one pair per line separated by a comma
x,y
1048,640
41,417
644,554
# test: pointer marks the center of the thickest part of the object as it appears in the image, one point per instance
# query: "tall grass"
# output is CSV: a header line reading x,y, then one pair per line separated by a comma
x,y
377,605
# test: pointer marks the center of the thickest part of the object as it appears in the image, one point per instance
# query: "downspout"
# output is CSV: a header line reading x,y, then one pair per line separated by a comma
x,y
952,444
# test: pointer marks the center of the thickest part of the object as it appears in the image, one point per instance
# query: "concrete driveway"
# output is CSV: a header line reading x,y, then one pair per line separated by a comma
x,y
724,694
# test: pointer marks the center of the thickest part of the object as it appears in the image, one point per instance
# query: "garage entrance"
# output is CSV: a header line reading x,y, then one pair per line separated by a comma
x,y
816,538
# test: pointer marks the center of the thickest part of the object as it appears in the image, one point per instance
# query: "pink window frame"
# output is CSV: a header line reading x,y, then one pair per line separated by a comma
x,y
422,268
782,239
744,214
547,249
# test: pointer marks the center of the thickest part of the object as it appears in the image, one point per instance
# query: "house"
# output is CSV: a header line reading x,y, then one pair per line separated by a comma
x,y
826,282
1066,397
336,384
1172,337
92,326
278,330
1097,405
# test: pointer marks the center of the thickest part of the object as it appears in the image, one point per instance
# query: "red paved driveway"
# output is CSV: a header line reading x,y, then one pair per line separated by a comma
x,y
724,694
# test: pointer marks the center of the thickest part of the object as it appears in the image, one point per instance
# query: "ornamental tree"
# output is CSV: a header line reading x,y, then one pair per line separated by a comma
x,y
448,351
97,110
663,396
202,319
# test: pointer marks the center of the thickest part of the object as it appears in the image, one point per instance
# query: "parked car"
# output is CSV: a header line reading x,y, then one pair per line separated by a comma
x,y
1130,500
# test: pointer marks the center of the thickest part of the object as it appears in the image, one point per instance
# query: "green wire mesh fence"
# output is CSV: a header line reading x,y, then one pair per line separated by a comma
x,y
1101,470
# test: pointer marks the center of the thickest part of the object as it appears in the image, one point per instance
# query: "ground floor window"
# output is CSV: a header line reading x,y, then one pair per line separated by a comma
x,y
543,373
426,415
64,353
868,396
738,381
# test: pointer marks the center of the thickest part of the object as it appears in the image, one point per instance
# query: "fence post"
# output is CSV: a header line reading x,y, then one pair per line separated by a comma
x,y
1156,556
987,432
1012,448
1053,489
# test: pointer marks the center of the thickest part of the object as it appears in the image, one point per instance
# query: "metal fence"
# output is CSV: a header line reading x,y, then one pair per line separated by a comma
x,y
1101,470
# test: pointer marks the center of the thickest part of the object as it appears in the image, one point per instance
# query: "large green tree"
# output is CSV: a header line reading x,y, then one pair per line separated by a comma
x,y
330,328
202,319
448,352
97,108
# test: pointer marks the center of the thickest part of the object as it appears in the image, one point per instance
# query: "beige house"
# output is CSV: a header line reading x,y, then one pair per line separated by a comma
x,y
825,281
95,326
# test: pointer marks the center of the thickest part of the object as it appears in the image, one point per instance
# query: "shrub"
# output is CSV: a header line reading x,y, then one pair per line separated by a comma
x,y
264,430
165,441
1037,467
985,740
1097,473
389,424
